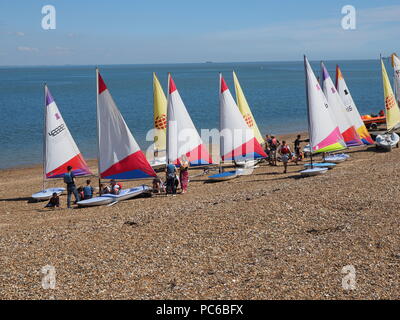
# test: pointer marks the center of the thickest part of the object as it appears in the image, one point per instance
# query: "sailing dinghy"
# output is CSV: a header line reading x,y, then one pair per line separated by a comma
x,y
59,149
160,125
237,140
183,140
389,139
323,130
351,108
119,156
249,119
339,111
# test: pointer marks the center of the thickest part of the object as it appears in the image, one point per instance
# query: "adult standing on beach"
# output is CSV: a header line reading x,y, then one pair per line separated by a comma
x,y
273,145
69,179
297,148
184,175
285,153
266,147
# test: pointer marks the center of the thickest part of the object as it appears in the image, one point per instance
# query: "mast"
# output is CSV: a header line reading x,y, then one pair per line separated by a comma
x,y
44,136
308,111
168,115
98,128
220,119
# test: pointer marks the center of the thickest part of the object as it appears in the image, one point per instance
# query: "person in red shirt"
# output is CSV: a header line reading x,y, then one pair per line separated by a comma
x,y
285,152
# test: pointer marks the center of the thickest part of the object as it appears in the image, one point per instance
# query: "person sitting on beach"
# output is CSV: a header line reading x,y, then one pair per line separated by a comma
x,y
157,185
80,192
104,189
115,188
285,153
171,178
88,191
54,201
69,179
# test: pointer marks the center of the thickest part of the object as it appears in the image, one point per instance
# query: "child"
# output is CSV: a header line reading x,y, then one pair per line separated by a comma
x,y
80,192
54,201
88,191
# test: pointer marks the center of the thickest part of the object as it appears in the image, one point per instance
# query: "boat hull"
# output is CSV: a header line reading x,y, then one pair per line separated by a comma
x,y
223,176
313,172
387,141
47,193
105,199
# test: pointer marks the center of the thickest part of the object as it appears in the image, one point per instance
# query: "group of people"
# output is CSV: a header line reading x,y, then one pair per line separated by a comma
x,y
82,192
174,178
273,147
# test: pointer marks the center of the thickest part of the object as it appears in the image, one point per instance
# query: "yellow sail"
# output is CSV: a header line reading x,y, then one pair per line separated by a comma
x,y
160,116
245,110
392,109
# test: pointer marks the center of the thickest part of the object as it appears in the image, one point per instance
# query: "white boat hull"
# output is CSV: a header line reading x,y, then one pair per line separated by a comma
x,y
387,141
313,172
247,164
105,199
47,193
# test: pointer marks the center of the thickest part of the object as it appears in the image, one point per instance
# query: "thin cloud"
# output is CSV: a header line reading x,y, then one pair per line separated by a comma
x,y
27,49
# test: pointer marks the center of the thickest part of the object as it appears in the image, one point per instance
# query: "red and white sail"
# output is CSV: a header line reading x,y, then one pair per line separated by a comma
x,y
60,149
339,111
119,155
237,140
183,140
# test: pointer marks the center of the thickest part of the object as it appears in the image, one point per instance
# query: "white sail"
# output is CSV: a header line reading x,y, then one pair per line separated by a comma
x,y
119,155
323,131
183,140
351,107
339,111
237,139
60,149
396,79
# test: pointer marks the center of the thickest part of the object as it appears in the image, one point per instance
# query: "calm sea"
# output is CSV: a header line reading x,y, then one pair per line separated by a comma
x,y
274,90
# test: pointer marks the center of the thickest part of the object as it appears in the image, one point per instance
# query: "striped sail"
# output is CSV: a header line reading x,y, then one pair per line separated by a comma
x,y
392,109
324,132
339,111
245,110
119,154
60,150
160,116
351,107
237,140
183,140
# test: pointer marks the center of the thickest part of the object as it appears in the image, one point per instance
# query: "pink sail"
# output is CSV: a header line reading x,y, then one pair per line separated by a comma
x,y
237,139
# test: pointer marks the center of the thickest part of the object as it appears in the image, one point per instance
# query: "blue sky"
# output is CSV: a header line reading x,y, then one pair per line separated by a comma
x,y
177,31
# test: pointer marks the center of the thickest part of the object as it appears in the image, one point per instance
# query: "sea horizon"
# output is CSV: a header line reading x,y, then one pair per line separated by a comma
x,y
275,92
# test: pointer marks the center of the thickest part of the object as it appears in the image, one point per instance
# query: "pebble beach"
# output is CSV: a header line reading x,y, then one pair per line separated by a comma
x,y
267,235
